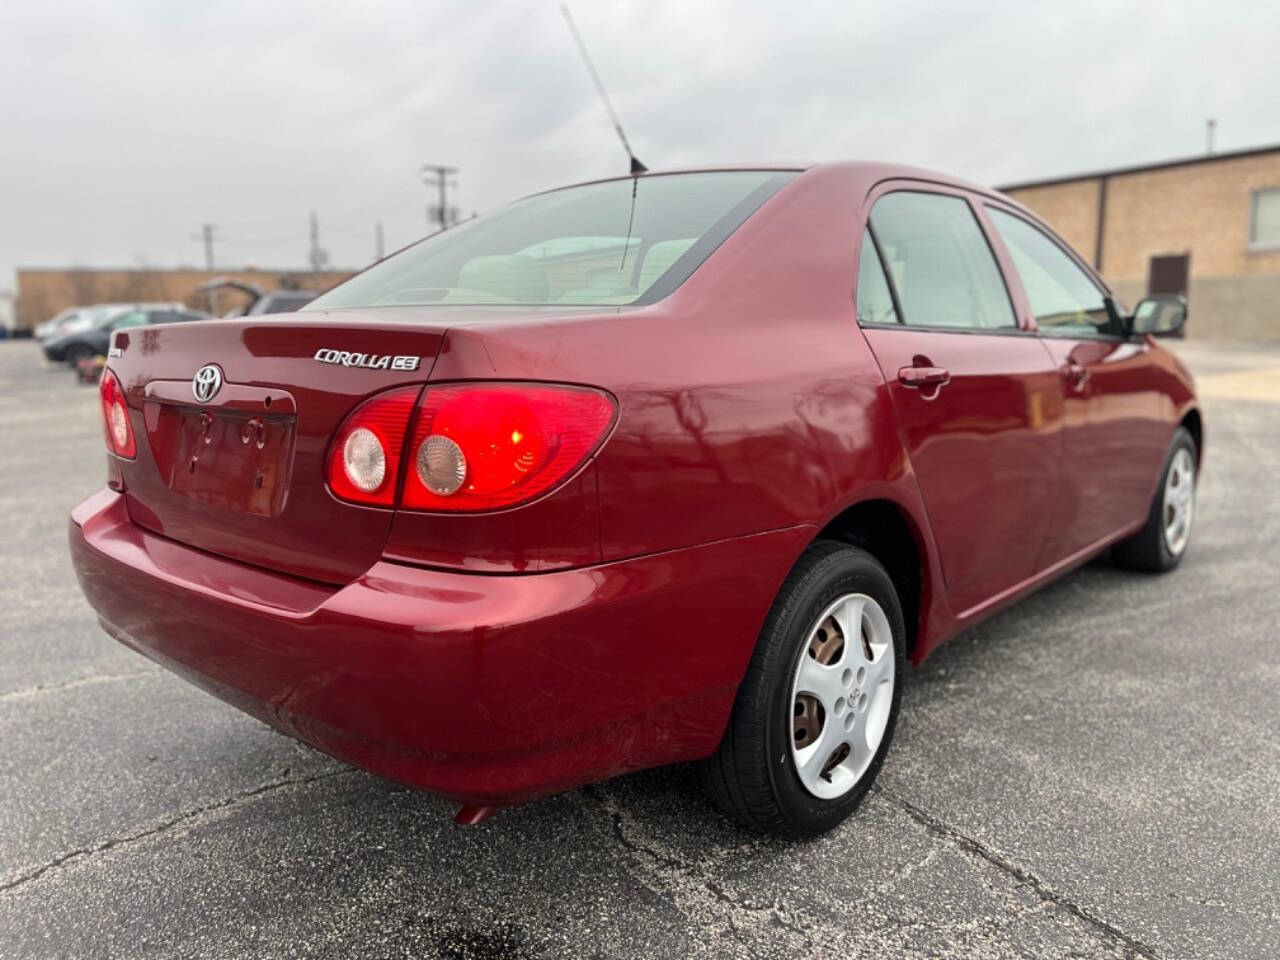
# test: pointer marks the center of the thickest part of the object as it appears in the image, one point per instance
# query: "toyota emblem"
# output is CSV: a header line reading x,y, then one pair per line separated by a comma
x,y
207,382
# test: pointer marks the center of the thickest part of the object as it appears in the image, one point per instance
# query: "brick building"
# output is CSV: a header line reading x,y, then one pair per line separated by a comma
x,y
1208,227
44,292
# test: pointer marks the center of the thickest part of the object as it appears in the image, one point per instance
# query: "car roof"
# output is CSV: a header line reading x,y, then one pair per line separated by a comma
x,y
868,172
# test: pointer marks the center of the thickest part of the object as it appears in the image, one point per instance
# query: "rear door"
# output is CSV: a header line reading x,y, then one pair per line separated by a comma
x,y
977,397
1114,438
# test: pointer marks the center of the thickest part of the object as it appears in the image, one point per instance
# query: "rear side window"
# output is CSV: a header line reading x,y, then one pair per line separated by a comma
x,y
616,242
940,263
1063,298
875,302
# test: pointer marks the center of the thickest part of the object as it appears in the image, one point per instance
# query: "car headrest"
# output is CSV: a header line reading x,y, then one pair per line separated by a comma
x,y
511,276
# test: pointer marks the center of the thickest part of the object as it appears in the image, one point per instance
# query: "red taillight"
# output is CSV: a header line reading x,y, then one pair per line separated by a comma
x,y
115,417
488,446
364,461
475,446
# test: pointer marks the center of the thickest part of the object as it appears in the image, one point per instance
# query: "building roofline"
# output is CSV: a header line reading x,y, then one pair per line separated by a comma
x,y
1143,168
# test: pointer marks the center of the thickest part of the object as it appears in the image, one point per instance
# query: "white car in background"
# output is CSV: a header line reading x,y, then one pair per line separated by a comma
x,y
74,319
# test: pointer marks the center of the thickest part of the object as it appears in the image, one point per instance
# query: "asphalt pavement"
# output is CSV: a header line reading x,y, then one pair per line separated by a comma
x,y
1093,773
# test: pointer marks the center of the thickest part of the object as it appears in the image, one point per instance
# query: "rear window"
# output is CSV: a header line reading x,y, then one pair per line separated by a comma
x,y
619,242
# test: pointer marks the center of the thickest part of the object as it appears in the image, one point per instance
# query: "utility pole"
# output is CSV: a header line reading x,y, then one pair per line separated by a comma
x,y
380,248
317,257
206,235
439,176
1211,125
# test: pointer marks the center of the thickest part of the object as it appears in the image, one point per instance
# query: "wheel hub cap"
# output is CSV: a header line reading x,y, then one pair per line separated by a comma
x,y
841,695
1179,501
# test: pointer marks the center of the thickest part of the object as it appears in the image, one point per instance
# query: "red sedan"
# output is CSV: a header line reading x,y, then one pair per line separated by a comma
x,y
672,467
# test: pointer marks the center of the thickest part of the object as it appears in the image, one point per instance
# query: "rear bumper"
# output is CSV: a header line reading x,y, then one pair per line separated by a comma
x,y
485,689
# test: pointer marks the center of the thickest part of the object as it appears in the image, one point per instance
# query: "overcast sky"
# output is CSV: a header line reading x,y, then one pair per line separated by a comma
x,y
124,126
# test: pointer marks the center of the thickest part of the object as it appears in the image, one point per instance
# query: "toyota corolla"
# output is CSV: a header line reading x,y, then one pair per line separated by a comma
x,y
673,467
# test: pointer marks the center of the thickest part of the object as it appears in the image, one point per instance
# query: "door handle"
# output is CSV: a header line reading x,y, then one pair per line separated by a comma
x,y
1076,374
924,376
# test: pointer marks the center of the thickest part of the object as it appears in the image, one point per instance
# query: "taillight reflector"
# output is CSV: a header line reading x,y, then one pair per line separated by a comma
x,y
364,460
115,417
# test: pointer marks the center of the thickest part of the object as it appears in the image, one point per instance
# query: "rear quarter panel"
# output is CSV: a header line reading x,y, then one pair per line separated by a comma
x,y
748,399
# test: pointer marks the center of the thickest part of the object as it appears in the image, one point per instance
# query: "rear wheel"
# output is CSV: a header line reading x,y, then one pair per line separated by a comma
x,y
1162,541
816,710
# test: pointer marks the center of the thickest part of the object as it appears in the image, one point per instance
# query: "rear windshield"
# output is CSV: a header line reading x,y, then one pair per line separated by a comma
x,y
618,242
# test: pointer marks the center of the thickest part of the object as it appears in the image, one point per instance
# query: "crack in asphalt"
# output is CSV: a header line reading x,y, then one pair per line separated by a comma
x,y
29,693
936,827
691,871
1041,889
183,818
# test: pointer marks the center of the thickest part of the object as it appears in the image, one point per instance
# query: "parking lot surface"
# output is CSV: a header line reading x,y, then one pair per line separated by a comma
x,y
1093,773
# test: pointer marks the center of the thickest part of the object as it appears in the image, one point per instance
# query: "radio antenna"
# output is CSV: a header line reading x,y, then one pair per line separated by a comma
x,y
636,166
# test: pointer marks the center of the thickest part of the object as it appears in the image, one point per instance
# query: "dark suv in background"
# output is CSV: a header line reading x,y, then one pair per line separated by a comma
x,y
261,301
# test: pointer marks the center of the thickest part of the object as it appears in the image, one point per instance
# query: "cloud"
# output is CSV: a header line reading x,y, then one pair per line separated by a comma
x,y
127,125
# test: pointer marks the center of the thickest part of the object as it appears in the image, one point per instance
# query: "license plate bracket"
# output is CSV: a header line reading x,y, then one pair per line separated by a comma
x,y
226,458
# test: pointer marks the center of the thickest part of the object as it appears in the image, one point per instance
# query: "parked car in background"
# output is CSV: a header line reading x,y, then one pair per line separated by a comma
x,y
82,318
264,301
664,468
59,320
75,318
281,301
93,341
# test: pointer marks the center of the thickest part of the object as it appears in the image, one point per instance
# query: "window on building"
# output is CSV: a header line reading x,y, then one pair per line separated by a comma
x,y
1063,298
1264,223
940,263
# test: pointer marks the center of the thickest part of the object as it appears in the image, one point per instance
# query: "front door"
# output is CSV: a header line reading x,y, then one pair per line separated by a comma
x,y
977,398
1114,438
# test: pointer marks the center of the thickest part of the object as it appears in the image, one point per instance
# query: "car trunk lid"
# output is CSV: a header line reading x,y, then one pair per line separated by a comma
x,y
233,420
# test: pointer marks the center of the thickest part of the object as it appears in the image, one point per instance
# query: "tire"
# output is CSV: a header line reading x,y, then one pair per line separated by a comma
x,y
754,775
1154,548
75,354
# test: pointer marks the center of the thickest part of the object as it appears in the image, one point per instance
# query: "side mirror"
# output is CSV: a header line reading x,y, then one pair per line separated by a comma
x,y
1160,316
